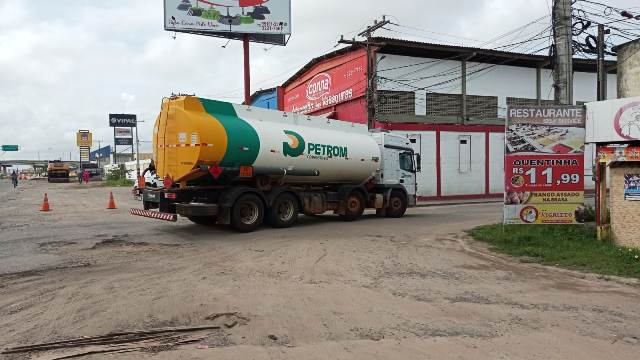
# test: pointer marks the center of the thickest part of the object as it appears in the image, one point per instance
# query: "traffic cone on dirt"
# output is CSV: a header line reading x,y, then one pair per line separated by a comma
x,y
45,204
112,203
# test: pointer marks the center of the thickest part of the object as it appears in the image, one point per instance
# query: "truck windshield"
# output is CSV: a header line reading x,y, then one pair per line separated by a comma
x,y
406,162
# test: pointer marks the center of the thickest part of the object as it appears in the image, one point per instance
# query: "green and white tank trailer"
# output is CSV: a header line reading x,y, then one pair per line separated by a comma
x,y
224,163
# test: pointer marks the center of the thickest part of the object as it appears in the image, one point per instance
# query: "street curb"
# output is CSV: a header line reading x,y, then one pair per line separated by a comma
x,y
461,203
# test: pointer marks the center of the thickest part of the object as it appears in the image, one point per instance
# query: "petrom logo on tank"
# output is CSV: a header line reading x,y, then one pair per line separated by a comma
x,y
296,146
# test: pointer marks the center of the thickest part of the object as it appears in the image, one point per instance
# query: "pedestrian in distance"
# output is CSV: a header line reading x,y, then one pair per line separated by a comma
x,y
85,176
14,179
79,175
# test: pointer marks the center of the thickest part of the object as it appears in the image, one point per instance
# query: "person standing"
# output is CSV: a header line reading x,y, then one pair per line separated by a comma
x,y
14,179
85,176
79,176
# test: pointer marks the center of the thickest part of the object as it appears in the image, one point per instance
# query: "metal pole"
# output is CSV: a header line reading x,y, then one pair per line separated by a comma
x,y
115,148
563,39
602,73
464,91
539,85
247,70
137,152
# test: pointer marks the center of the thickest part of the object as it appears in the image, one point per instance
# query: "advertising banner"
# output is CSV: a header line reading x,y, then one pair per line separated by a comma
x,y
266,20
632,187
124,141
84,138
544,165
613,120
328,88
123,132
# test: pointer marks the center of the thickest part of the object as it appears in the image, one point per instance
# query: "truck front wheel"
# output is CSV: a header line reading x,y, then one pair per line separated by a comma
x,y
284,211
397,204
354,207
247,213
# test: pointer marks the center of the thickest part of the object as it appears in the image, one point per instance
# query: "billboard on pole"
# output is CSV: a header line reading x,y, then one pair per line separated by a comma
x,y
266,21
544,165
123,120
84,138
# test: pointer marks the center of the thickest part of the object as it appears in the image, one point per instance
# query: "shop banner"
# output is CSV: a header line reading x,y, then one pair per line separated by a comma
x,y
618,152
632,187
344,82
544,165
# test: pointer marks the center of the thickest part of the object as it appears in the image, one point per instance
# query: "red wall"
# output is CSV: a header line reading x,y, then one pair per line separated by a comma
x,y
335,86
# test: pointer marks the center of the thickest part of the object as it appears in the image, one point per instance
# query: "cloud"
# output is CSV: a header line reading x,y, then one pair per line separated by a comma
x,y
66,65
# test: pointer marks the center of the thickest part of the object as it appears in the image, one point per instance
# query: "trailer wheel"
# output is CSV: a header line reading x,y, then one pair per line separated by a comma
x,y
284,211
204,220
247,213
397,205
354,207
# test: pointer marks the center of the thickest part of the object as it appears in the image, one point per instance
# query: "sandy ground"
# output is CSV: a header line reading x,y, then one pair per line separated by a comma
x,y
410,288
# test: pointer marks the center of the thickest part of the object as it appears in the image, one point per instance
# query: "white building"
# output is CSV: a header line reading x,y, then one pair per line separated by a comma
x,y
451,100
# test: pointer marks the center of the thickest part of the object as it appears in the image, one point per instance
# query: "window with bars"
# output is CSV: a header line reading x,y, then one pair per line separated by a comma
x,y
396,102
482,107
450,105
444,105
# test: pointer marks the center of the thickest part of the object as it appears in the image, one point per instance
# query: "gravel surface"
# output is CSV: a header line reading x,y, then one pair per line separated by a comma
x,y
410,288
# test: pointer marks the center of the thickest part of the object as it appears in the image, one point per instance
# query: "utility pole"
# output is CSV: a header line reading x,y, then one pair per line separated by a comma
x,y
602,72
371,94
563,39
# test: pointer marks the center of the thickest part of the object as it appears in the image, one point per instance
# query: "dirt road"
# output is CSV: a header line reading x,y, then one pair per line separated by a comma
x,y
410,288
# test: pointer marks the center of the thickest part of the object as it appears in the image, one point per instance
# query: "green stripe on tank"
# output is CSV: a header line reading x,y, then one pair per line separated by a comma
x,y
243,143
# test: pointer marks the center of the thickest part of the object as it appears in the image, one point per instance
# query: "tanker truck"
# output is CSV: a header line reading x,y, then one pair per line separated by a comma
x,y
223,163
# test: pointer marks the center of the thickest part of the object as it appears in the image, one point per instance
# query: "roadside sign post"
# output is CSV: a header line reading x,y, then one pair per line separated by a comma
x,y
544,165
122,125
84,140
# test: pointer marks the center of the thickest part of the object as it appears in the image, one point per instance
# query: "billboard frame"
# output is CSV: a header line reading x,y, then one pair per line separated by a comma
x,y
274,39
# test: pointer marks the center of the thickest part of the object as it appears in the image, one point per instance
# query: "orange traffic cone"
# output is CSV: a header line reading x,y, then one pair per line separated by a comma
x,y
112,203
45,204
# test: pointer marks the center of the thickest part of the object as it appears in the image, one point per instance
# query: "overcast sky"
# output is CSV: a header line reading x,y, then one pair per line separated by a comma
x,y
64,65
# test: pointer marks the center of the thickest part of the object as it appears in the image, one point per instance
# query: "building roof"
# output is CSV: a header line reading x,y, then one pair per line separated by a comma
x,y
618,47
261,92
402,47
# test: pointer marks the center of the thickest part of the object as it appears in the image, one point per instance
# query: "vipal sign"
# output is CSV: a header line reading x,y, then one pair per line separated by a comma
x,y
613,120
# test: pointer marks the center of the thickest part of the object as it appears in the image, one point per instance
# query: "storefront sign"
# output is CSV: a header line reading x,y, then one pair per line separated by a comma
x,y
544,165
618,152
342,83
613,120
632,187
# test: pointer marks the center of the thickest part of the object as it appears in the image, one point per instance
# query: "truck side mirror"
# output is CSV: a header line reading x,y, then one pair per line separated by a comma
x,y
418,163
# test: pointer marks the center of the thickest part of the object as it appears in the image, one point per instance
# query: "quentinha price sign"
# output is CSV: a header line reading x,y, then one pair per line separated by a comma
x,y
544,165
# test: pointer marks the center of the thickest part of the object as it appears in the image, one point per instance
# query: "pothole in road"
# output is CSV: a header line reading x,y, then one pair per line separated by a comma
x,y
120,241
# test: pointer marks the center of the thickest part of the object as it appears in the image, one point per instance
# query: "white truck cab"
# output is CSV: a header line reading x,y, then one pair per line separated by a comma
x,y
399,163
